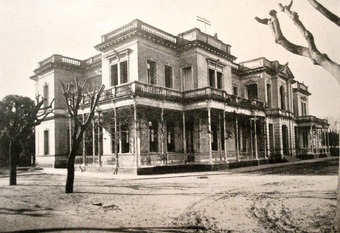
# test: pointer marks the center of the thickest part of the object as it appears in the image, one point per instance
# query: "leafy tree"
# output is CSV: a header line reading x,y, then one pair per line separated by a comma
x,y
311,51
74,95
19,115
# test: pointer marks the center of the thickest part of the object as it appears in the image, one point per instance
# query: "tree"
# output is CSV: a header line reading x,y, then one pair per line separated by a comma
x,y
19,115
74,94
310,52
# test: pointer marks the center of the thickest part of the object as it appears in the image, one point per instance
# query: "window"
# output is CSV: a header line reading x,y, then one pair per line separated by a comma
x,y
46,142
114,75
187,78
214,143
151,71
113,139
211,78
119,73
271,137
215,73
252,91
219,80
235,90
168,76
170,137
46,95
93,83
303,108
282,98
124,139
153,137
123,72
269,95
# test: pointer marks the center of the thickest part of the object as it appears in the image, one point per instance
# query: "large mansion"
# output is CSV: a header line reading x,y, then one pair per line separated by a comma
x,y
177,101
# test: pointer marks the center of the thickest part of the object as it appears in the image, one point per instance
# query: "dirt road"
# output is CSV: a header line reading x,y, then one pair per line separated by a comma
x,y
221,202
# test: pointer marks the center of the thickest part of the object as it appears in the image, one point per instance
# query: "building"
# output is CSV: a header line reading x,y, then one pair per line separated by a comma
x,y
177,101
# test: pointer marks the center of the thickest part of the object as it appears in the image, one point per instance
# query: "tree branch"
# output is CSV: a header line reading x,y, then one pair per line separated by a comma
x,y
311,51
325,12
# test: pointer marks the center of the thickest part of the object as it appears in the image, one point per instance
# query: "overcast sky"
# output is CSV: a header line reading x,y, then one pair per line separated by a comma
x,y
32,30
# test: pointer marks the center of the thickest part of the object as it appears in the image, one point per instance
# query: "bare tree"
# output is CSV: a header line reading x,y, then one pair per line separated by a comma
x,y
74,94
311,51
21,115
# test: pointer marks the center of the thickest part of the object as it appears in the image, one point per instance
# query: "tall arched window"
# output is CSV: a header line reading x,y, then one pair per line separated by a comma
x,y
282,98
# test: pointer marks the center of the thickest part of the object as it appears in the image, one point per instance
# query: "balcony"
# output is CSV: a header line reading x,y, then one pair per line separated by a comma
x,y
58,59
310,120
279,113
163,93
137,25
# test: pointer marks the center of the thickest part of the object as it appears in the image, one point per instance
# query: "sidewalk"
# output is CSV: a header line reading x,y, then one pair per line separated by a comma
x,y
189,174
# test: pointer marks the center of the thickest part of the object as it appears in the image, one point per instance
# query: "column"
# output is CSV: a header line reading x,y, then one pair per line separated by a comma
x,y
236,140
99,145
93,141
255,141
224,139
184,138
162,136
328,149
70,132
311,140
115,132
265,138
251,139
219,136
209,135
84,143
136,133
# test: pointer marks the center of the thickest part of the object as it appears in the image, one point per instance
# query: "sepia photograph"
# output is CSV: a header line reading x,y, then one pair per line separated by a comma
x,y
169,116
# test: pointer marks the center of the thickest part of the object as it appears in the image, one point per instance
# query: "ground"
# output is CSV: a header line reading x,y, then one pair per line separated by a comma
x,y
275,198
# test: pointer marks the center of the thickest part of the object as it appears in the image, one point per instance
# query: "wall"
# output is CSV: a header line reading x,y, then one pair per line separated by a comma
x,y
162,56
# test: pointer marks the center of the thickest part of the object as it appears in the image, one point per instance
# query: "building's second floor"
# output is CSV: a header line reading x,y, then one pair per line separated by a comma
x,y
192,66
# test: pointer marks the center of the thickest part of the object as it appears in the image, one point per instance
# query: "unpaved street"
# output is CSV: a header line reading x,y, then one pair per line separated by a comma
x,y
207,202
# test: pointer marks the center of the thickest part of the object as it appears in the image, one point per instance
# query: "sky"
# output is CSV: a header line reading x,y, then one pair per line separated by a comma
x,y
32,30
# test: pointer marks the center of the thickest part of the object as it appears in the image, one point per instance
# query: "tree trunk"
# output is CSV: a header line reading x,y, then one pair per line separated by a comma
x,y
70,174
70,167
76,139
12,165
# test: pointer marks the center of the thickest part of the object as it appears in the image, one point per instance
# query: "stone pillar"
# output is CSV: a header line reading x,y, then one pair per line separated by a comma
x,y
209,135
136,139
255,141
236,140
84,143
219,136
328,149
264,126
93,141
184,138
99,145
162,136
115,132
251,139
224,139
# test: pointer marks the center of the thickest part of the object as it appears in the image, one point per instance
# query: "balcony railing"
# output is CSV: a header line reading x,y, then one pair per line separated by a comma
x,y
139,25
148,90
311,119
60,59
279,112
